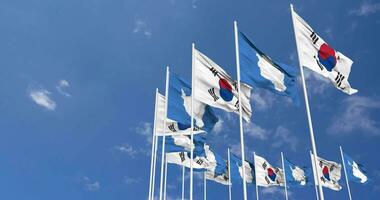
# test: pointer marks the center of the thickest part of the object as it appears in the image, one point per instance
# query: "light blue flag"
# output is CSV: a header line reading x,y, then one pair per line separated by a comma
x,y
355,171
236,170
257,69
179,106
297,176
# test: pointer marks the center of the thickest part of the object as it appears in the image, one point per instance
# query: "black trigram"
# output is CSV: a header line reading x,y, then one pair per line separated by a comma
x,y
314,37
237,105
199,162
264,165
182,156
339,79
267,180
172,128
214,71
212,93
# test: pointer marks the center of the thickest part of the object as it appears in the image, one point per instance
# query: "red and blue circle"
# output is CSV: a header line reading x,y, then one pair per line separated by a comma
x,y
326,56
271,174
225,90
326,173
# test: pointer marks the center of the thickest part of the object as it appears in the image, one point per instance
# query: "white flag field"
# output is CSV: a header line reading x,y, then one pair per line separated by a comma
x,y
329,173
315,54
216,88
172,127
266,174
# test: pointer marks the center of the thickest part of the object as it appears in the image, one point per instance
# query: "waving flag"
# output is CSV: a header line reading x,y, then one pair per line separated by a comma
x,y
183,159
355,171
330,173
218,173
296,176
180,143
315,54
237,170
179,107
257,69
266,174
172,127
216,88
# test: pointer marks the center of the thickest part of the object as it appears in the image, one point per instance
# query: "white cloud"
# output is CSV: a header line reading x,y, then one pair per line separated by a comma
x,y
127,149
91,185
255,131
218,127
283,137
130,180
274,191
262,99
194,4
315,83
142,28
41,97
62,84
366,8
145,129
355,115
329,33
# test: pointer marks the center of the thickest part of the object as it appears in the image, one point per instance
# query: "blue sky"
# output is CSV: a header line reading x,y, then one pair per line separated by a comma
x,y
78,78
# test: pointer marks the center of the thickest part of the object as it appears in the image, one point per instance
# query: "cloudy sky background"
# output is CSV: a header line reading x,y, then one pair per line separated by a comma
x,y
77,86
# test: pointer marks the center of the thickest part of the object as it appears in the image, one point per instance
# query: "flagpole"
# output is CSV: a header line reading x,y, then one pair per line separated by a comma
x,y
154,164
240,109
163,136
204,186
314,178
153,146
314,148
229,175
166,177
283,168
192,121
183,182
345,172
257,187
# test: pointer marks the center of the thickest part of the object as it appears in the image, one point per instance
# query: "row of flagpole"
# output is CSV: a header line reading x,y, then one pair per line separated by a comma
x,y
163,173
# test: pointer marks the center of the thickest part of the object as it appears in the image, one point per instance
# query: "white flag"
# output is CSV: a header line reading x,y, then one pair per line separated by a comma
x,y
266,174
317,55
183,158
172,127
216,88
329,173
222,179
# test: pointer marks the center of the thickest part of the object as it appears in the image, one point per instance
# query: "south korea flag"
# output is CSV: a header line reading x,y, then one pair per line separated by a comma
x,y
266,174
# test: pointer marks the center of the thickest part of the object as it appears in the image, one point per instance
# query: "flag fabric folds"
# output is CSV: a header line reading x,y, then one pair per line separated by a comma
x,y
315,54
257,69
295,175
219,173
216,88
329,173
355,171
180,143
183,159
179,107
236,168
266,174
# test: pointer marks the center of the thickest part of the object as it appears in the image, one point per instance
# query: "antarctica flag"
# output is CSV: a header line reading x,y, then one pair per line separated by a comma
x,y
355,171
329,173
266,174
315,54
295,175
216,88
257,69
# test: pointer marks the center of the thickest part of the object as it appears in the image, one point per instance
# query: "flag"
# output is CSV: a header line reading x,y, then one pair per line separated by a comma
x,y
219,172
180,143
315,54
266,174
355,171
183,159
237,170
172,127
329,173
179,107
295,175
257,69
216,88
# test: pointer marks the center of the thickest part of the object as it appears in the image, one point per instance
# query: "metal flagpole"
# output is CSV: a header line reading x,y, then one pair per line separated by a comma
x,y
240,109
314,148
283,168
314,178
257,187
192,121
154,165
229,175
166,177
164,134
204,186
183,182
345,172
153,146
